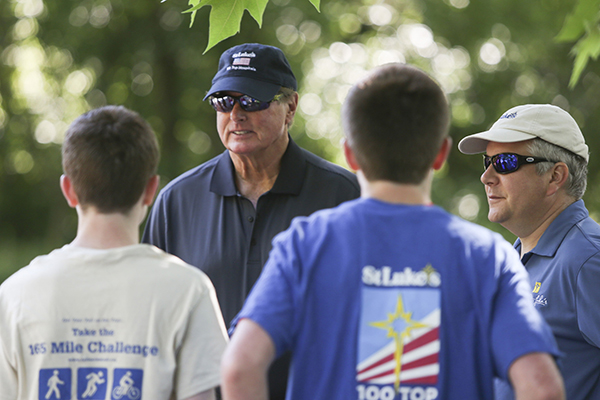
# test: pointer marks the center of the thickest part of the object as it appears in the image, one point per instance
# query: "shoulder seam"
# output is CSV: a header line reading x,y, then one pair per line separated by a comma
x,y
189,174
333,171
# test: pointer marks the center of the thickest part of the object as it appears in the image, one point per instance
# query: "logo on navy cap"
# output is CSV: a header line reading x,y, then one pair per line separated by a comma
x,y
241,61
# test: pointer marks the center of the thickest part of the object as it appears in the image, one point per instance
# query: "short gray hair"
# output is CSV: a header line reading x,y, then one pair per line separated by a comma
x,y
578,167
286,93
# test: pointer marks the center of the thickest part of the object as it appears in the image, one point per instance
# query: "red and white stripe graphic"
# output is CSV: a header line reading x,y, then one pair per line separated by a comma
x,y
419,360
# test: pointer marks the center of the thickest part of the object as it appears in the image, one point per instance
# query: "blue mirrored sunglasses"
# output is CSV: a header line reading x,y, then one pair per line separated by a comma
x,y
505,163
226,103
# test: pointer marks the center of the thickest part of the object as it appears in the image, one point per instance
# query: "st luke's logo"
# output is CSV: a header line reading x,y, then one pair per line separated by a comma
x,y
399,343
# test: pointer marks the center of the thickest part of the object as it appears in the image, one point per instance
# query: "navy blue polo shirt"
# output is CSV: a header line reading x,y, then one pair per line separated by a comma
x,y
203,219
564,268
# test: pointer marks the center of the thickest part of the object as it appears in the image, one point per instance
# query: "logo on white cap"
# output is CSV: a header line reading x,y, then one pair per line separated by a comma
x,y
509,116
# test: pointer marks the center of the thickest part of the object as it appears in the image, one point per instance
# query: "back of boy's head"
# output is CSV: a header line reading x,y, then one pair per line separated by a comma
x,y
395,121
110,154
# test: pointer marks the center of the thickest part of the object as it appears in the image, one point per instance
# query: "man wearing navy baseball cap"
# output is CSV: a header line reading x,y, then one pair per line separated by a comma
x,y
222,215
535,174
256,70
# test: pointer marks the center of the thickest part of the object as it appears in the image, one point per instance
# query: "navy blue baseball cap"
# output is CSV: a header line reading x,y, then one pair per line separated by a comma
x,y
255,70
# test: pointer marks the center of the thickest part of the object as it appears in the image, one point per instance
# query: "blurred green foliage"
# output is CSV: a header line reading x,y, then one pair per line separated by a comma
x,y
582,25
59,59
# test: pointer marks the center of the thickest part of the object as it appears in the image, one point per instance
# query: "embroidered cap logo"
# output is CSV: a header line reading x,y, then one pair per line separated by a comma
x,y
241,61
509,116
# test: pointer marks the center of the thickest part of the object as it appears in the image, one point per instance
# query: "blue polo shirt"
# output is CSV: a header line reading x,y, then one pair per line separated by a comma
x,y
203,219
564,268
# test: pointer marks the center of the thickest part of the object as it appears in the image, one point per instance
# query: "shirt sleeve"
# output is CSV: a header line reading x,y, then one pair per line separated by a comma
x,y
8,373
272,302
203,344
517,327
587,300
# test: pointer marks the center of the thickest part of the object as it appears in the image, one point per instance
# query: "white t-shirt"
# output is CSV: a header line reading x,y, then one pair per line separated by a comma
x,y
125,323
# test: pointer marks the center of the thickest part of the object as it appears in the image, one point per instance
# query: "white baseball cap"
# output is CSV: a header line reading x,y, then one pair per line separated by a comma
x,y
544,121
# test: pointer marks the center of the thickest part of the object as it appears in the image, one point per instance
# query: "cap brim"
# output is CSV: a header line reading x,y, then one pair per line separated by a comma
x,y
477,143
259,90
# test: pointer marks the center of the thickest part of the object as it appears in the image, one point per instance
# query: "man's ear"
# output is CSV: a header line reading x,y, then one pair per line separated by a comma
x,y
67,189
150,191
292,105
558,177
442,156
350,157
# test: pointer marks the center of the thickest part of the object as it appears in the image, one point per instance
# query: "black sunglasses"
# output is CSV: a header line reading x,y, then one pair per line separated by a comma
x,y
226,103
505,163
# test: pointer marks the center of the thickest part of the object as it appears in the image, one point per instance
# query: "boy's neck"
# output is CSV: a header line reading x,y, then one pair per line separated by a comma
x,y
396,193
96,230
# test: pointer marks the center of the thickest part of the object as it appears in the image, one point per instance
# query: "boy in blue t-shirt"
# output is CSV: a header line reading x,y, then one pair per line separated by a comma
x,y
388,296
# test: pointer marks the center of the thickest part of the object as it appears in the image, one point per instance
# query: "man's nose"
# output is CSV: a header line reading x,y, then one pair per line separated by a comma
x,y
489,176
237,112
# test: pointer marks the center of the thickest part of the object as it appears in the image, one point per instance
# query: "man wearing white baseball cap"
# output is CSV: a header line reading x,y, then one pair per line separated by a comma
x,y
558,242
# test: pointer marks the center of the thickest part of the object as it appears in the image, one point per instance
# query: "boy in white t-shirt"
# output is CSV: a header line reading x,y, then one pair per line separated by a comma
x,y
106,317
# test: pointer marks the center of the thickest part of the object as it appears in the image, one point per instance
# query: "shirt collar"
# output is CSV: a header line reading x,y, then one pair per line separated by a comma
x,y
557,230
223,181
289,180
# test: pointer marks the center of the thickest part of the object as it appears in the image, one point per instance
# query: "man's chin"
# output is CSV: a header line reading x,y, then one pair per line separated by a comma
x,y
495,217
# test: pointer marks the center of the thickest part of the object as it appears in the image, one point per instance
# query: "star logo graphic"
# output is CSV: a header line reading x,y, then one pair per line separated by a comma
x,y
399,326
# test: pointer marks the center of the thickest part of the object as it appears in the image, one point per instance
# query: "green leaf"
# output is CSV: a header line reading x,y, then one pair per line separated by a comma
x,y
585,12
586,48
195,6
226,16
572,29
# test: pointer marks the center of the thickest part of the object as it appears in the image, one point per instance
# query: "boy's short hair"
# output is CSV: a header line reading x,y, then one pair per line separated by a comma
x,y
110,154
395,121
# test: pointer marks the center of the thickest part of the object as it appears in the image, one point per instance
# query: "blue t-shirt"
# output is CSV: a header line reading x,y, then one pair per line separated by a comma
x,y
564,269
384,301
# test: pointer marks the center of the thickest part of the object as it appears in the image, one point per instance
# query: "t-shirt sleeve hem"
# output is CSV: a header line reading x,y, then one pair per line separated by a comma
x,y
269,327
208,383
511,358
